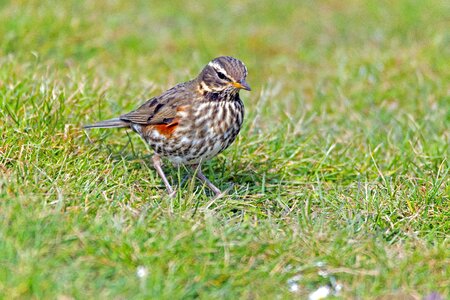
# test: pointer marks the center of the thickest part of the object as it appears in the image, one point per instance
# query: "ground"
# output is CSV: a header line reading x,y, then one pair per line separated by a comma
x,y
340,173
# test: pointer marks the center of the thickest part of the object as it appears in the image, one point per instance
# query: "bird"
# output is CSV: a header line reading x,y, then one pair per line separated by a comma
x,y
193,121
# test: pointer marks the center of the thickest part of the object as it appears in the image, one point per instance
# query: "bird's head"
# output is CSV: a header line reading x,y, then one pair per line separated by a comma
x,y
224,73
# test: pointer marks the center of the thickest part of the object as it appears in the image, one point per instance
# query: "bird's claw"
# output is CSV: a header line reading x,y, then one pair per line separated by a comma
x,y
224,193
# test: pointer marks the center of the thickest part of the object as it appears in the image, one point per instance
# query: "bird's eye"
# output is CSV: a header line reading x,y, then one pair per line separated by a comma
x,y
221,75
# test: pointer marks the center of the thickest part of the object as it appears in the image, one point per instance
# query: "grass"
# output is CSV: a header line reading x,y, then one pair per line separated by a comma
x,y
341,171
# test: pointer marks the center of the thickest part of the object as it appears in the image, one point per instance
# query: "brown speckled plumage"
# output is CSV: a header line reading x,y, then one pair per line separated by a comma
x,y
193,121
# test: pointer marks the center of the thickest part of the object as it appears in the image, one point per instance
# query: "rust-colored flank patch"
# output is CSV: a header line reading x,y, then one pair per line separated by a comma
x,y
167,129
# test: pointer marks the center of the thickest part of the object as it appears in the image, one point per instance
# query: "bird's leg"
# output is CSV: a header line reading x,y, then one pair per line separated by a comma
x,y
198,172
157,164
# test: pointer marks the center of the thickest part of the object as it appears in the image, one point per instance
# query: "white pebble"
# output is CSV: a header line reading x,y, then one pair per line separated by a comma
x,y
320,293
141,272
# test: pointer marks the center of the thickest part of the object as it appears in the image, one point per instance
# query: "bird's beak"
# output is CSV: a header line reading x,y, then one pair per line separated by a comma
x,y
242,84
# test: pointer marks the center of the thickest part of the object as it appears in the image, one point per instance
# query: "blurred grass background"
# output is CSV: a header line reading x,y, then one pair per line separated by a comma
x,y
341,170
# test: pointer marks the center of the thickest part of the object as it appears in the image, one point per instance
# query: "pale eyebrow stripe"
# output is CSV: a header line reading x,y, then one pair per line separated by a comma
x,y
219,68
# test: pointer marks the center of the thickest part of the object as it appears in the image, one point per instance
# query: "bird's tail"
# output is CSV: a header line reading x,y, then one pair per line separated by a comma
x,y
112,123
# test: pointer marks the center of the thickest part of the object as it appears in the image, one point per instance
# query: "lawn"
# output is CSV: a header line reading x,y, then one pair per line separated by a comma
x,y
341,171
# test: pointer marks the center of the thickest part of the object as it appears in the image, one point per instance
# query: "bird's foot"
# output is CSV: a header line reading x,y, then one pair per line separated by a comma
x,y
219,194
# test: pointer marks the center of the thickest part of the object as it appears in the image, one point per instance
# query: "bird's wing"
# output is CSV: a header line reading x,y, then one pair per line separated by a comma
x,y
162,109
